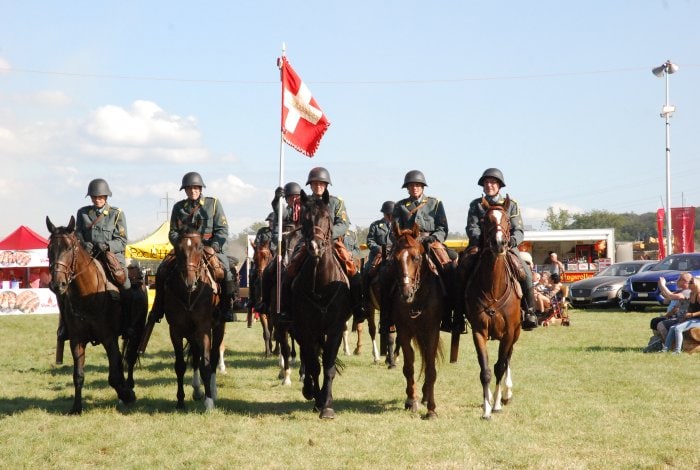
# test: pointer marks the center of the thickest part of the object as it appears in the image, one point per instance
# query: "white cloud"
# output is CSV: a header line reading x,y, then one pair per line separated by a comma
x,y
144,129
5,66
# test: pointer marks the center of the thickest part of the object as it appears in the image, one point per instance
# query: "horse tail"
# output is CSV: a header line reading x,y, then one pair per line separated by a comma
x,y
439,357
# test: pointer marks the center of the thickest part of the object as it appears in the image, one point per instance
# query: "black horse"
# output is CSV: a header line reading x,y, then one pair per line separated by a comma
x,y
321,303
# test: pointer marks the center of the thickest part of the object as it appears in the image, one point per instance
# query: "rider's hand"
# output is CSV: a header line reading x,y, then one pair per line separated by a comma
x,y
513,243
279,192
429,239
215,246
88,246
102,246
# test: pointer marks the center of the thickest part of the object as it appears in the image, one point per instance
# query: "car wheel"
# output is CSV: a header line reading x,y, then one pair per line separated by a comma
x,y
623,300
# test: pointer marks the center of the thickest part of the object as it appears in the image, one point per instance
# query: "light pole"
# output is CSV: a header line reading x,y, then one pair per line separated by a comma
x,y
664,70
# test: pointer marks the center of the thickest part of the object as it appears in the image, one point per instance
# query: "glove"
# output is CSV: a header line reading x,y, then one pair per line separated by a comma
x,y
88,246
215,246
512,242
102,246
279,193
429,239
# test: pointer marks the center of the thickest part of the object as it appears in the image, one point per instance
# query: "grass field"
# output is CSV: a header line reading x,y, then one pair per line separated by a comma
x,y
585,397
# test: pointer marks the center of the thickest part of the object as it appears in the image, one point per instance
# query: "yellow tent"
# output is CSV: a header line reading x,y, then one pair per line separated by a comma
x,y
153,247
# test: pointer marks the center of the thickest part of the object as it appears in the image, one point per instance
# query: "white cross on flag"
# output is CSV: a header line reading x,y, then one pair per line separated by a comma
x,y
303,121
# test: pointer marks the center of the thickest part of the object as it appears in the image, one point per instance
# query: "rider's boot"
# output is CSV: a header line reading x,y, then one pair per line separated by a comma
x,y
359,313
529,316
225,304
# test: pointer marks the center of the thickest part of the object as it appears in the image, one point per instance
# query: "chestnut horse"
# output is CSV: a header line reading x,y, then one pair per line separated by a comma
x,y
262,256
90,307
417,305
492,297
321,303
191,297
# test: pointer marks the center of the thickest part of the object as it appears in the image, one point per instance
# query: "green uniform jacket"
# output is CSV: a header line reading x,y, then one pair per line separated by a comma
x,y
476,215
377,236
210,215
109,229
430,217
341,222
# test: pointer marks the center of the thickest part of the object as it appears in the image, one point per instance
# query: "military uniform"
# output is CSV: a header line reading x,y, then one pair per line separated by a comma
x,y
427,212
208,213
106,225
377,237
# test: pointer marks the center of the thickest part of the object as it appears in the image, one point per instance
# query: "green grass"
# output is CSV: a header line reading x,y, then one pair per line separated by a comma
x,y
585,397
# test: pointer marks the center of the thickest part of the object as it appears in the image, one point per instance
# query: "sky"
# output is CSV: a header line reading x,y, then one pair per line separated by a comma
x,y
558,95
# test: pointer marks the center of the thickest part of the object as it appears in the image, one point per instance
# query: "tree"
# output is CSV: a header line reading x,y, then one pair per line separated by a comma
x,y
558,221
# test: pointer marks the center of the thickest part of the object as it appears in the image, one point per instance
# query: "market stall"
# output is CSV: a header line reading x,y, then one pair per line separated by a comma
x,y
24,274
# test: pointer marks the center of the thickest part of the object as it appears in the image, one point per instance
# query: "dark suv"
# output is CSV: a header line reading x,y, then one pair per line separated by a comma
x,y
642,290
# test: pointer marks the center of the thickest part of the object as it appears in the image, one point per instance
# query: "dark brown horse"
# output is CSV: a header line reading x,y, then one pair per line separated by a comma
x,y
492,299
191,296
417,305
262,256
321,303
90,307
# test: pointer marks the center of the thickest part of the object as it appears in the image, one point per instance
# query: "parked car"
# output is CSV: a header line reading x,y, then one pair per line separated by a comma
x,y
642,290
605,288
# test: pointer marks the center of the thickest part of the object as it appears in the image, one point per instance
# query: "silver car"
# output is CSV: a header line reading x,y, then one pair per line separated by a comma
x,y
604,289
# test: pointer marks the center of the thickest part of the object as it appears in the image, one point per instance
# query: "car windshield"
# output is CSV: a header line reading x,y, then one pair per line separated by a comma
x,y
621,269
678,263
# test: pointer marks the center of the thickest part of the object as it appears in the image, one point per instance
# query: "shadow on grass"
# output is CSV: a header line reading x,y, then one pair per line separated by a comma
x,y
615,349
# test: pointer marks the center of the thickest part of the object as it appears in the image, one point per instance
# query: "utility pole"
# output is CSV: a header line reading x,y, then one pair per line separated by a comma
x,y
167,205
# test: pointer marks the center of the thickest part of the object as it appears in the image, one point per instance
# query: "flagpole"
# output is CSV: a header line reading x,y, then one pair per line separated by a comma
x,y
280,204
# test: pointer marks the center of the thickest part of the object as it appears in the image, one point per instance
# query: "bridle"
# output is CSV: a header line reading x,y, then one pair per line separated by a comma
x,y
410,284
67,269
191,269
499,231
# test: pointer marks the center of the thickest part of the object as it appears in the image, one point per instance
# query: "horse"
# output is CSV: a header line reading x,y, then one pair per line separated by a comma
x,y
417,305
492,300
320,302
191,297
90,307
262,255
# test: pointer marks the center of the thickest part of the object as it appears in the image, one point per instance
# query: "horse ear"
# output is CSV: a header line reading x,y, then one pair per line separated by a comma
x,y
416,231
49,225
326,196
485,203
71,224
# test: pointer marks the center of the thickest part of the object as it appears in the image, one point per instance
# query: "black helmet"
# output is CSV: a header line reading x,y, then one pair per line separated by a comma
x,y
492,173
414,176
387,207
291,189
270,217
192,179
98,187
319,174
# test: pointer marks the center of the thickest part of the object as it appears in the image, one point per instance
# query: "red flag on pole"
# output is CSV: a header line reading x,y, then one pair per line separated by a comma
x,y
303,121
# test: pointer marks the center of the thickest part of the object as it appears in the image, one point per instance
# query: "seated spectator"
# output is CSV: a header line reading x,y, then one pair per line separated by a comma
x,y
682,295
547,288
691,319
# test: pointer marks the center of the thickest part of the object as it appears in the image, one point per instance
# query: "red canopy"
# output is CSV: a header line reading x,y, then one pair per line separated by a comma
x,y
23,238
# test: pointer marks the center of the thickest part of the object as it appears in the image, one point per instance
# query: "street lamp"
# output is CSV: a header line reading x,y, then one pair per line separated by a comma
x,y
662,70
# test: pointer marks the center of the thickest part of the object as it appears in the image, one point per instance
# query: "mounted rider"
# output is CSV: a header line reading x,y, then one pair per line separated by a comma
x,y
290,198
208,214
319,179
378,235
428,213
492,181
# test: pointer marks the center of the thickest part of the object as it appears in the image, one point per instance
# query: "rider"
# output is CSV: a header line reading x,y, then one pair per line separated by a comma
x,y
319,179
214,229
492,181
429,214
101,229
291,210
378,234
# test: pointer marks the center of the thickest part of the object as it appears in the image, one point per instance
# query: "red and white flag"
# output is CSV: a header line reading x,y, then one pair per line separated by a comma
x,y
303,121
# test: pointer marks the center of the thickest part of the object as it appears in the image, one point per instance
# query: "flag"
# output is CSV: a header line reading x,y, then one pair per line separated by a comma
x,y
303,121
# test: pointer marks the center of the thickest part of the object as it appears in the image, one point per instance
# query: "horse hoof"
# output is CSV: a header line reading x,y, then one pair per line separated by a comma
x,y
209,404
430,415
197,395
486,418
357,351
327,413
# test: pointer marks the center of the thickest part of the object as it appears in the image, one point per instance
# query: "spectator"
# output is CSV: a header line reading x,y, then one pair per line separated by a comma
x,y
690,319
682,295
553,265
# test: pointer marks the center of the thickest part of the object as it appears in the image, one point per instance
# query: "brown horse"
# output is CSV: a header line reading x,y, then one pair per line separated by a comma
x,y
492,297
262,256
418,302
321,303
90,307
191,297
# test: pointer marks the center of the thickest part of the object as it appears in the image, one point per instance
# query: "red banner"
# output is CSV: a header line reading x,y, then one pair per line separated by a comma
x,y
683,228
660,228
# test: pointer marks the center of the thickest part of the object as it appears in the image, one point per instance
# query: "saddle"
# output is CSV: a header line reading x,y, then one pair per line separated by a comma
x,y
214,264
516,265
114,268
